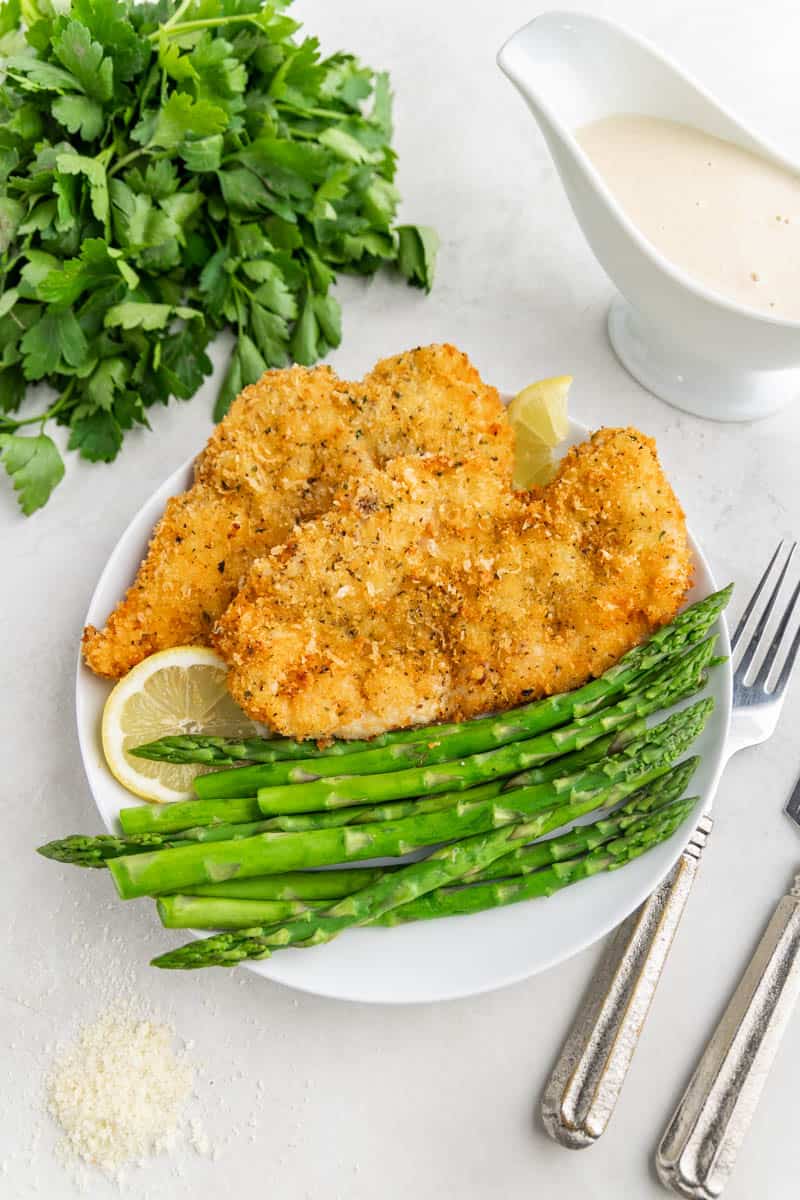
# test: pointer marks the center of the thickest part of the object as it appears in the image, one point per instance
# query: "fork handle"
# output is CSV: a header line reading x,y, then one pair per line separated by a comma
x,y
585,1084
698,1150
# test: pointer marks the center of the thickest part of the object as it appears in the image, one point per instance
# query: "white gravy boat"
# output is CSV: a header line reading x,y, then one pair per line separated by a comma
x,y
688,345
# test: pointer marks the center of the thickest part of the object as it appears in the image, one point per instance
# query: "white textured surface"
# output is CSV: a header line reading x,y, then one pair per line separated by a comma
x,y
314,1100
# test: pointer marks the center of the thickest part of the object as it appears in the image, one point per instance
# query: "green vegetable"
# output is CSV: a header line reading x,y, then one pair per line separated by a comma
x,y
195,912
417,251
411,885
292,885
611,780
188,814
541,715
82,851
168,170
217,910
34,465
223,751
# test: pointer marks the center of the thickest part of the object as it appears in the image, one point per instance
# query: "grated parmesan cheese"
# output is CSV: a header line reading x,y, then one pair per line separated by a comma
x,y
117,1092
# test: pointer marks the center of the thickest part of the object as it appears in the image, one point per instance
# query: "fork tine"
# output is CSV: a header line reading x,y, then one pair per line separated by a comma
x,y
758,633
769,658
745,617
788,667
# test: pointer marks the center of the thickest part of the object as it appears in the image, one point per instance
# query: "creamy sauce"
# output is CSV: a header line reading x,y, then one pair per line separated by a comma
x,y
727,217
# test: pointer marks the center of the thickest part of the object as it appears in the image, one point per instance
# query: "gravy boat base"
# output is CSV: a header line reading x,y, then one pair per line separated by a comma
x,y
711,389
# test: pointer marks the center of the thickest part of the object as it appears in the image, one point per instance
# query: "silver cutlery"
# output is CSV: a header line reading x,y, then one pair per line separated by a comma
x,y
586,1082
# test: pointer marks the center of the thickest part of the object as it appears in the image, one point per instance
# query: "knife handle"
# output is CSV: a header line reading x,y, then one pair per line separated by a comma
x,y
583,1089
698,1151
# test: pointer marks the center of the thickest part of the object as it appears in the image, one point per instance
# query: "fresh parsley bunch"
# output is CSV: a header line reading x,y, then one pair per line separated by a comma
x,y
167,170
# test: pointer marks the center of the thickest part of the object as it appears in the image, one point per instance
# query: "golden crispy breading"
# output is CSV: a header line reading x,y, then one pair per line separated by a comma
x,y
288,443
431,591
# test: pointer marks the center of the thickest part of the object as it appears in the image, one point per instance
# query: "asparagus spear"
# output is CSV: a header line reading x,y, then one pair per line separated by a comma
x,y
293,885
82,851
609,781
689,626
188,814
343,791
214,908
444,866
224,752
196,912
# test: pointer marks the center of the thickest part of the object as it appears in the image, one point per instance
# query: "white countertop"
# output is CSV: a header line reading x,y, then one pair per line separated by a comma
x,y
309,1099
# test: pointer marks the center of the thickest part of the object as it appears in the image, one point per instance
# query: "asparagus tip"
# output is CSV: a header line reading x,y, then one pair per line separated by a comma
x,y
52,850
142,751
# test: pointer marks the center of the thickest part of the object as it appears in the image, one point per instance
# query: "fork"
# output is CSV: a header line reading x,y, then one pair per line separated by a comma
x,y
583,1089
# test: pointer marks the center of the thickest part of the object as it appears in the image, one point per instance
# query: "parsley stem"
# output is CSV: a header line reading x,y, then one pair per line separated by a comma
x,y
179,11
123,162
240,287
239,318
335,114
208,23
9,423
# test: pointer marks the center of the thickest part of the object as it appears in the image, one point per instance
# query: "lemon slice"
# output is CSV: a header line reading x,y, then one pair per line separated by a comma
x,y
538,416
175,691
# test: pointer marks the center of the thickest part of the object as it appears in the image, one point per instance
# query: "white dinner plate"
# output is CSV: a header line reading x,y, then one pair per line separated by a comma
x,y
429,960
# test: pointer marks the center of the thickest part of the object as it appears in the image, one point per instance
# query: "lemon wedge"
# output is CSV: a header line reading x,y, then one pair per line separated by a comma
x,y
175,691
538,416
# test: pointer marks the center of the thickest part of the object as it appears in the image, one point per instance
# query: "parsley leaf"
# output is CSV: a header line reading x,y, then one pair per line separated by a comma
x,y
182,117
94,171
33,75
270,334
231,386
329,318
35,467
11,214
135,315
304,345
109,22
12,389
85,60
56,341
79,114
96,265
416,259
97,435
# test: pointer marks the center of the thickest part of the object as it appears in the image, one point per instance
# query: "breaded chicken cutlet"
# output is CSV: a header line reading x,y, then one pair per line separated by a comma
x,y
431,591
287,445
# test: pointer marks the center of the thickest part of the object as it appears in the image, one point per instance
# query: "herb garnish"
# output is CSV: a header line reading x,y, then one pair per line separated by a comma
x,y
167,170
